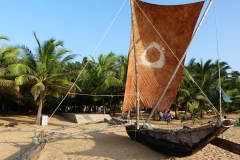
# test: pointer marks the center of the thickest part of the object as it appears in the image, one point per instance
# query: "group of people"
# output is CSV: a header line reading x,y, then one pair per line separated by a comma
x,y
167,116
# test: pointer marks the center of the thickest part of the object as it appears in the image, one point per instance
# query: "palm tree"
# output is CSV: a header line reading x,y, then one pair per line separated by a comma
x,y
8,88
202,85
231,86
73,69
122,66
101,76
43,72
184,93
194,110
204,75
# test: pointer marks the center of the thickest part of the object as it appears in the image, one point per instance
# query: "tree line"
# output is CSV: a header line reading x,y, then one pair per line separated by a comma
x,y
49,77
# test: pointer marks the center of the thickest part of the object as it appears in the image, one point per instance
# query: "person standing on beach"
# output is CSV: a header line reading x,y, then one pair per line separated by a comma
x,y
161,118
168,117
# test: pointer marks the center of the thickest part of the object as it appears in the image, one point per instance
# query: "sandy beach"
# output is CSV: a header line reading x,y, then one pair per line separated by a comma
x,y
100,141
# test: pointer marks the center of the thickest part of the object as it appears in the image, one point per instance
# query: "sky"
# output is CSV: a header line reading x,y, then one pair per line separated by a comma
x,y
94,27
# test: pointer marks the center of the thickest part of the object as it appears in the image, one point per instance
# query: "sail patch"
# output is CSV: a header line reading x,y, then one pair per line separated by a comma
x,y
160,62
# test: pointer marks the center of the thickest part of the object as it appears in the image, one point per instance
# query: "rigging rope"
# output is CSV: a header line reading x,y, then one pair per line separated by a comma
x,y
80,73
103,95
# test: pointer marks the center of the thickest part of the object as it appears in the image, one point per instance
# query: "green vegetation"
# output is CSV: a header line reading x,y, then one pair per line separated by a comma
x,y
193,110
206,76
238,123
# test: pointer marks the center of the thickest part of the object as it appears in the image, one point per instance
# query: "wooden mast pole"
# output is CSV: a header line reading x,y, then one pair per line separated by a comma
x,y
136,65
180,62
219,68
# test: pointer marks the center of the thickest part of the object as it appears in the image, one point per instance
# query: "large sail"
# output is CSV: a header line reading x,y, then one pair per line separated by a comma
x,y
156,61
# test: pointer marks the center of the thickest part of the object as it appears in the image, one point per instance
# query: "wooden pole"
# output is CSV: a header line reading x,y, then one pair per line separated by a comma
x,y
136,67
219,78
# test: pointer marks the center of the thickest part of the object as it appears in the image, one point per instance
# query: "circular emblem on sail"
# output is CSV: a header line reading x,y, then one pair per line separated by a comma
x,y
159,63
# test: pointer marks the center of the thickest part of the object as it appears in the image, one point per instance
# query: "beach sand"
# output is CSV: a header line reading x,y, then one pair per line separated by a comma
x,y
72,141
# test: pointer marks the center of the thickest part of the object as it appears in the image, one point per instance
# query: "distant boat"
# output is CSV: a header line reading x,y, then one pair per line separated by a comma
x,y
160,36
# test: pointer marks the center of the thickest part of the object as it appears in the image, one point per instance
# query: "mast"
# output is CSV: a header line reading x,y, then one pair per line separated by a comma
x,y
180,62
220,89
136,67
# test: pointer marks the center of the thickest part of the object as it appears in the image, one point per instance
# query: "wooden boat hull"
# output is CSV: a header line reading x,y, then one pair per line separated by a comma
x,y
183,142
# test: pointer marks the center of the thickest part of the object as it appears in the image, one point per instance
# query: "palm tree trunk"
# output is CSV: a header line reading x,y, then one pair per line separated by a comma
x,y
156,117
5,104
104,107
176,111
94,107
114,109
40,106
201,108
201,112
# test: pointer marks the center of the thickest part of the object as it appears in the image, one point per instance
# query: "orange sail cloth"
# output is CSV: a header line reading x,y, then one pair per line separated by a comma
x,y
156,62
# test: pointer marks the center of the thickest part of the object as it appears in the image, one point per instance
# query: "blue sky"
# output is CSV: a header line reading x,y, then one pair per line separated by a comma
x,y
81,24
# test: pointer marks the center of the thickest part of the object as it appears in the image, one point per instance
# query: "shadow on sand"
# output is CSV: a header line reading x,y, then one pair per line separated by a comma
x,y
108,145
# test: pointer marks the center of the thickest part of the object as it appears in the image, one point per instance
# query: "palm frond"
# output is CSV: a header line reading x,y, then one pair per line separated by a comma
x,y
193,107
59,53
18,69
4,38
39,45
29,57
11,93
64,84
2,71
111,81
69,57
6,83
20,80
37,89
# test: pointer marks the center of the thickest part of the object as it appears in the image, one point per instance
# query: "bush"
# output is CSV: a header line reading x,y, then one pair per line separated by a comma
x,y
238,123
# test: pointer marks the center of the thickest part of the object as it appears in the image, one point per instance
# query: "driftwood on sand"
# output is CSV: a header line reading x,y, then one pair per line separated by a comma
x,y
12,124
33,152
115,121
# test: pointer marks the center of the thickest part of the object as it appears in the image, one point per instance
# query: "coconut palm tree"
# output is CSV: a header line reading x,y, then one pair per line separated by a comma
x,y
193,110
101,77
206,76
122,64
231,86
122,67
9,91
43,72
184,93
